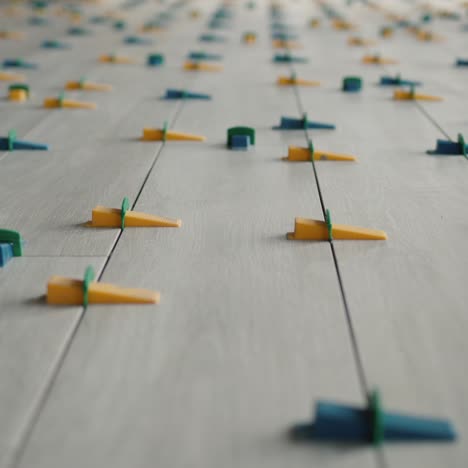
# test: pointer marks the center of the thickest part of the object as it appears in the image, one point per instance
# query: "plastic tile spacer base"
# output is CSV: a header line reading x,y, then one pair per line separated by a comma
x,y
239,143
6,253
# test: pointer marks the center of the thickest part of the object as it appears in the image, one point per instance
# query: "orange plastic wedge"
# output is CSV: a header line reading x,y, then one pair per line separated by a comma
x,y
200,66
56,103
296,153
69,291
112,217
311,229
402,95
292,81
87,86
157,134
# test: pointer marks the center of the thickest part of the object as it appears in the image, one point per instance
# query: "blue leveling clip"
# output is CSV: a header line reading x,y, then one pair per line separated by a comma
x,y
11,245
18,63
39,4
397,81
204,56
404,23
119,25
278,22
291,123
461,63
137,40
222,13
335,422
288,58
240,138
154,60
352,84
98,19
284,36
279,25
10,143
54,44
217,24
38,21
451,148
211,38
182,94
278,28
78,31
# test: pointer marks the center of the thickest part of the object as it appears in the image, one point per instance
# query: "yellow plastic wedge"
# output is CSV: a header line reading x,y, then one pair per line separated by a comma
x,y
376,59
69,291
87,86
342,25
148,29
157,134
11,77
12,11
290,81
387,32
249,38
311,229
11,35
115,59
76,18
112,217
18,95
428,36
359,41
200,66
296,153
314,23
284,44
402,95
51,103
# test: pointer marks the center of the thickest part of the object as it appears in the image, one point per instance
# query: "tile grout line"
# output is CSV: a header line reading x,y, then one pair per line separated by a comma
x,y
431,119
357,354
379,453
56,368
145,180
352,334
25,434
